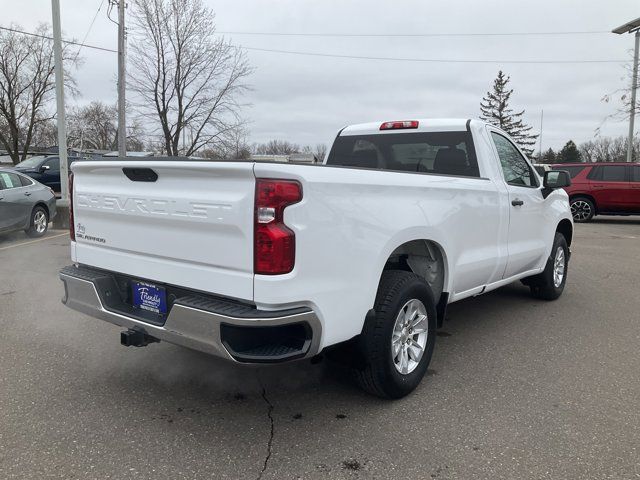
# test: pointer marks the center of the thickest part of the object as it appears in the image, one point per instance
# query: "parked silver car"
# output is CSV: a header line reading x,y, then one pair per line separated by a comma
x,y
25,204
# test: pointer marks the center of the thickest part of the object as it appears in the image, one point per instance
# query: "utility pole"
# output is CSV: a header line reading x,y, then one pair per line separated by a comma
x,y
541,119
631,27
122,119
63,204
632,109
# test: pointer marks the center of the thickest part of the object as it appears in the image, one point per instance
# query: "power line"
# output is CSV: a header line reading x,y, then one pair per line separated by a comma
x,y
427,60
354,57
86,35
68,42
412,35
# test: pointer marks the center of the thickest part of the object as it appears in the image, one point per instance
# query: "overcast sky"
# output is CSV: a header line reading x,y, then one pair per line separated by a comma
x,y
306,99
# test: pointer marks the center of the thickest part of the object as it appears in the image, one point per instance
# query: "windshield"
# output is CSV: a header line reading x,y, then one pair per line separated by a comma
x,y
32,162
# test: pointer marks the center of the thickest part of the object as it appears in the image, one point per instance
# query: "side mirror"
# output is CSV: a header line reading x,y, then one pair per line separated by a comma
x,y
44,168
556,179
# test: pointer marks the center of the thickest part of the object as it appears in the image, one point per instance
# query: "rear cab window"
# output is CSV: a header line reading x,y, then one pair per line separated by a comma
x,y
440,153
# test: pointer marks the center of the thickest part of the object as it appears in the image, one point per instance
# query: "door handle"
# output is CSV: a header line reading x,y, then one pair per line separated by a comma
x,y
27,194
598,186
517,202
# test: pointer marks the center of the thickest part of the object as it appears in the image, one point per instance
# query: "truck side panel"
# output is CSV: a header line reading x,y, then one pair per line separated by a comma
x,y
350,221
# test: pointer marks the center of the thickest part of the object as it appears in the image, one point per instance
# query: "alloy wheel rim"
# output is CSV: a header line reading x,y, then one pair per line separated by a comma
x,y
558,267
40,221
409,337
580,210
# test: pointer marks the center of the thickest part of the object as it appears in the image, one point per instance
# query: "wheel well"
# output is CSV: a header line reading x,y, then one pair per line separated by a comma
x,y
43,205
584,195
424,258
566,229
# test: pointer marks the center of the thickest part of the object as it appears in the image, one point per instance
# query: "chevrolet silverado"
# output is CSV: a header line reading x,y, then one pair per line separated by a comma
x,y
358,257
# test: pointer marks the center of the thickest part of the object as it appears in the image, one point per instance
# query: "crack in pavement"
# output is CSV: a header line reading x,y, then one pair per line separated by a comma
x,y
270,442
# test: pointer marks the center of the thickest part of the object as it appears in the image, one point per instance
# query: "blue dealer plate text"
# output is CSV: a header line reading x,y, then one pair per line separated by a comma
x,y
149,297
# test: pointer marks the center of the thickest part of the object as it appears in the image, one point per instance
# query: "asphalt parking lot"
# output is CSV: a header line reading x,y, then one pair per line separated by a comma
x,y
518,388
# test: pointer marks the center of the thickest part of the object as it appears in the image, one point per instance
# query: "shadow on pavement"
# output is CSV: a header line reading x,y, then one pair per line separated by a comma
x,y
621,220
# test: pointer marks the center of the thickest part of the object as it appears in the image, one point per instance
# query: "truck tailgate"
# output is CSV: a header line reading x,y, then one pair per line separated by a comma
x,y
192,227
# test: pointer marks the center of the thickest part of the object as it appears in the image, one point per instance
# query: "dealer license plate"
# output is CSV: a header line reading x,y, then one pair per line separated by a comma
x,y
149,297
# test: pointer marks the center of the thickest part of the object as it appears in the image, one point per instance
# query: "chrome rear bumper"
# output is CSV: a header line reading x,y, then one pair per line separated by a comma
x,y
197,322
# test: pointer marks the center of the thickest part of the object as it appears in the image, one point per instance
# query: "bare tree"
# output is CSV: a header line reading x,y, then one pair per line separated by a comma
x,y
621,97
95,126
234,146
319,151
186,78
284,147
45,134
276,147
27,83
608,149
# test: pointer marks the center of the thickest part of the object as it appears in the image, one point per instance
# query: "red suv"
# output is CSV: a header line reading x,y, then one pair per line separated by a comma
x,y
602,189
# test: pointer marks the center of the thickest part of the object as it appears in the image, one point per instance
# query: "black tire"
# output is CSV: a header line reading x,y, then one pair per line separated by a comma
x,y
377,373
543,285
582,209
35,223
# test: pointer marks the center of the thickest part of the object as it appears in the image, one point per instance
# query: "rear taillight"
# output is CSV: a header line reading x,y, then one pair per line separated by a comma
x,y
72,227
274,243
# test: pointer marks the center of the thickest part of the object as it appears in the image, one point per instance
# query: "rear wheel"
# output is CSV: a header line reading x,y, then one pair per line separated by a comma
x,y
39,222
398,342
549,284
582,209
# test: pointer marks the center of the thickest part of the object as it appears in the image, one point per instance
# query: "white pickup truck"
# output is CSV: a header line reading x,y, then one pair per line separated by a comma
x,y
269,262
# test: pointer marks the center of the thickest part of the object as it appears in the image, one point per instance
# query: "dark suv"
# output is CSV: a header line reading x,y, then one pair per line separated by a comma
x,y
44,169
602,189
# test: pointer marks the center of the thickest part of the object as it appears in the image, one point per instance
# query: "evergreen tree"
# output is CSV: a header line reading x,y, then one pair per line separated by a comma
x,y
495,109
569,153
549,156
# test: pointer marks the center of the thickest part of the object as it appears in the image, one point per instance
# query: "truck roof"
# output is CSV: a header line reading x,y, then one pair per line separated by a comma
x,y
424,125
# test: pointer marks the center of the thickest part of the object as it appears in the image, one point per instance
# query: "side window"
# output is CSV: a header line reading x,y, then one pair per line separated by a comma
x,y
613,173
635,175
53,164
515,168
26,181
595,173
9,180
573,171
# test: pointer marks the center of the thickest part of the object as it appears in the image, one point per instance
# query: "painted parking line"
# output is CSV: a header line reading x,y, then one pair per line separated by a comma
x,y
34,241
